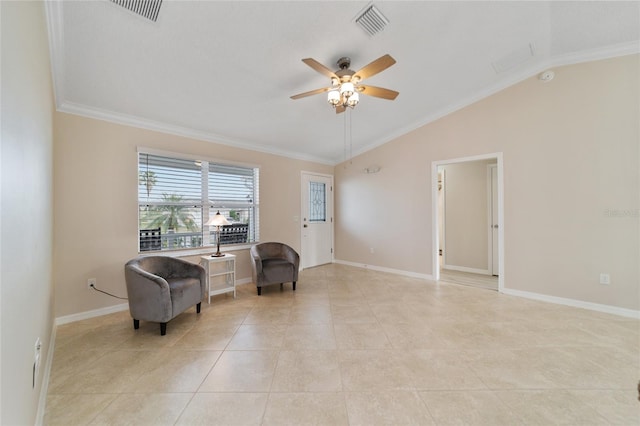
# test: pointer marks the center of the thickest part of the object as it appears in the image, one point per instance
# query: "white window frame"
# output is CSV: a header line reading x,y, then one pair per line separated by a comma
x,y
207,243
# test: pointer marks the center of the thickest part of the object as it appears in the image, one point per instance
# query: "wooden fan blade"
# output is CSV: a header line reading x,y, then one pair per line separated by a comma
x,y
380,64
378,92
310,93
319,67
340,109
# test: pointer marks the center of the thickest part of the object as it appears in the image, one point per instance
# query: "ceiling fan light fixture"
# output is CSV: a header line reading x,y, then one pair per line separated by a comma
x,y
353,100
346,89
333,97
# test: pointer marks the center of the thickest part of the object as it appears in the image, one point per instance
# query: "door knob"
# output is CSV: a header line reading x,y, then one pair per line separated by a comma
x,y
305,225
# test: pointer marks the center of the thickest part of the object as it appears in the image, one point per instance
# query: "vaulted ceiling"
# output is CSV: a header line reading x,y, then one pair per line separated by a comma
x,y
223,71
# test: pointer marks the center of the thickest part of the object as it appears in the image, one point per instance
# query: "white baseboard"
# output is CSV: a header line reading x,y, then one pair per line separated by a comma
x,y
382,269
614,310
112,309
465,269
244,281
92,314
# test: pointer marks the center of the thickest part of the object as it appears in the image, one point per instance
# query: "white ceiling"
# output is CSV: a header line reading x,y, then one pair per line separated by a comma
x,y
224,70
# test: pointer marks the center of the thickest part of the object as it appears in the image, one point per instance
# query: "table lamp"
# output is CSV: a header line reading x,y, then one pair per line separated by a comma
x,y
217,220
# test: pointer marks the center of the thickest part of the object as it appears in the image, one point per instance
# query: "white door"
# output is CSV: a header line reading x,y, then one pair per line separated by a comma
x,y
317,220
495,267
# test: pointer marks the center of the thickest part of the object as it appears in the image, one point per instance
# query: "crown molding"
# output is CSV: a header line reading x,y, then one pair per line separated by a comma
x,y
53,13
614,51
142,123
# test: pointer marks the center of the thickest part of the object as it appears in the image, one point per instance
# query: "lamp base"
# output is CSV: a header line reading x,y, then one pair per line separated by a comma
x,y
217,255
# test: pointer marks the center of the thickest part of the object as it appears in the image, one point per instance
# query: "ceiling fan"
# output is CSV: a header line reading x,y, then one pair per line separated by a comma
x,y
346,83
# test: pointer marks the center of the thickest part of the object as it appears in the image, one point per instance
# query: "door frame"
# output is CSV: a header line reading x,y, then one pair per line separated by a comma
x,y
304,173
442,241
435,214
490,200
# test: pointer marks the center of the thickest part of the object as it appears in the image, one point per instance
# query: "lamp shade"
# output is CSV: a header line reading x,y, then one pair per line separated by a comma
x,y
353,99
333,97
346,89
217,220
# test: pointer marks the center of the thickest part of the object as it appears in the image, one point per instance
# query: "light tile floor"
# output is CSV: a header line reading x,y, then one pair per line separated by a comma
x,y
351,347
489,282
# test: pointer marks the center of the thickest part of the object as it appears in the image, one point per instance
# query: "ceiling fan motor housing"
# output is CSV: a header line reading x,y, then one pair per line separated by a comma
x,y
344,63
344,73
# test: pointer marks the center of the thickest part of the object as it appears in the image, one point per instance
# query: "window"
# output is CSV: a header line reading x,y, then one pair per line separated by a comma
x,y
317,202
176,196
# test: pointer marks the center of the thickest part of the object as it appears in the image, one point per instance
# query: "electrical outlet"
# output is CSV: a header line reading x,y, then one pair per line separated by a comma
x,y
605,279
371,250
91,282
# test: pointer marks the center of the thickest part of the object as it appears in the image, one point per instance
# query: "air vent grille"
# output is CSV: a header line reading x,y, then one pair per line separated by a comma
x,y
146,8
372,21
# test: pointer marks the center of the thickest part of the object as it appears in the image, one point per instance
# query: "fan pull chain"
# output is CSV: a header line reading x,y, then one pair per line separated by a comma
x,y
344,134
350,137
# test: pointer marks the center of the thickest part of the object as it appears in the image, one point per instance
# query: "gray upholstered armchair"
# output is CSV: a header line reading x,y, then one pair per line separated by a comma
x,y
274,263
161,287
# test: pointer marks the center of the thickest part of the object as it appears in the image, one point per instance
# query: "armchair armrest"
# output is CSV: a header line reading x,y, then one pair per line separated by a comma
x,y
145,278
149,295
292,256
257,261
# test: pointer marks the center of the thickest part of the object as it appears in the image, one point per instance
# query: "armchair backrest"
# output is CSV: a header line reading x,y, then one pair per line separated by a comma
x,y
272,250
166,267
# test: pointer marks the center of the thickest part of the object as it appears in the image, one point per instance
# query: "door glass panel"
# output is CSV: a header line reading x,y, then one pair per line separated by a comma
x,y
317,202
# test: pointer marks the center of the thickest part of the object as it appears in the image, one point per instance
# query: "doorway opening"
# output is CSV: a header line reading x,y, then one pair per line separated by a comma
x,y
467,211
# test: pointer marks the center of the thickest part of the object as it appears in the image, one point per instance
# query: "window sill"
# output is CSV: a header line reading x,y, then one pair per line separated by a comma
x,y
195,252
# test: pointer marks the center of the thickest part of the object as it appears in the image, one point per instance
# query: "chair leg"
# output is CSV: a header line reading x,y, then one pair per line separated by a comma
x,y
163,328
281,284
136,324
294,286
198,307
259,291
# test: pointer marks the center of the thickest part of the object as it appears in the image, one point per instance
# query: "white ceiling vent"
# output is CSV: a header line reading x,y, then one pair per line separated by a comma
x,y
371,20
145,8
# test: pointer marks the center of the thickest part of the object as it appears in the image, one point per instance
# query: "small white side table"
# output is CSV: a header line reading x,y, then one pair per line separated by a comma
x,y
221,274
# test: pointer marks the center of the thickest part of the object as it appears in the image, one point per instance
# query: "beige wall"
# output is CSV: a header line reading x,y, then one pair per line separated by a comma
x,y
466,214
95,212
27,144
571,184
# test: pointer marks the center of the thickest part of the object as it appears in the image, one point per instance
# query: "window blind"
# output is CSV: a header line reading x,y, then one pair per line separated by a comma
x,y
176,196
